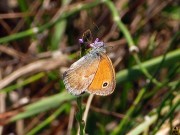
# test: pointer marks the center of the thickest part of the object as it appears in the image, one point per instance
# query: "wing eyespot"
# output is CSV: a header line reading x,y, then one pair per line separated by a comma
x,y
105,84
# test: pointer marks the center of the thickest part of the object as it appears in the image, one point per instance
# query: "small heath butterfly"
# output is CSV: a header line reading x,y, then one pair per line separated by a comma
x,y
92,73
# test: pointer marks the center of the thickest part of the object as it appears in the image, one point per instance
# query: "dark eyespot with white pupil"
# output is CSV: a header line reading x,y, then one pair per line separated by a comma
x,y
105,84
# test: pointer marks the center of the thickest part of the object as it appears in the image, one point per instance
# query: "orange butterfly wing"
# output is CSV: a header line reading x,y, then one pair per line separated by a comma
x,y
104,80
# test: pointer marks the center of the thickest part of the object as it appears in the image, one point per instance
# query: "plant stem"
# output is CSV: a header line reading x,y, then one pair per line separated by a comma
x,y
79,116
87,107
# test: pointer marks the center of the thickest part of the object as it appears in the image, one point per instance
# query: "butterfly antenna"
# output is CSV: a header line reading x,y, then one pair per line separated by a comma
x,y
96,29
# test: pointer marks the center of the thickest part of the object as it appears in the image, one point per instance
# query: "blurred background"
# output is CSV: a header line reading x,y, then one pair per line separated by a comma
x,y
39,41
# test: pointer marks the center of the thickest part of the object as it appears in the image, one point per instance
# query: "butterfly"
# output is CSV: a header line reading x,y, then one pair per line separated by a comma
x,y
92,73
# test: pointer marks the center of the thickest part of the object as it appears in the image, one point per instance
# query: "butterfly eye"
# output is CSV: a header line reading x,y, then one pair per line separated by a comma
x,y
105,84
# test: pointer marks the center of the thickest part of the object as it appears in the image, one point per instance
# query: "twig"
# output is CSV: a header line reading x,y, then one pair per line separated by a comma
x,y
87,107
11,52
2,108
106,112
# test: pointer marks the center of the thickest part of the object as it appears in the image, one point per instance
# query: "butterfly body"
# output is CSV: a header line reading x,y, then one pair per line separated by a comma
x,y
93,73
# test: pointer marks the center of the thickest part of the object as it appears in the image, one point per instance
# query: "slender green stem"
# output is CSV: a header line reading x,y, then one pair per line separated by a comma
x,y
24,8
90,98
119,23
79,116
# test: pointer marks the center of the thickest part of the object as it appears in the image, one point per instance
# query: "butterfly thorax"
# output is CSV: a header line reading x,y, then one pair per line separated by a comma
x,y
98,47
98,50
